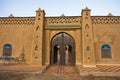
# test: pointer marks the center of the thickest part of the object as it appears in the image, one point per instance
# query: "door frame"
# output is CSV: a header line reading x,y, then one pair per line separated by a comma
x,y
59,39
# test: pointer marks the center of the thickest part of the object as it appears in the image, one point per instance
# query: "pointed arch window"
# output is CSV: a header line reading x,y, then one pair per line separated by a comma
x,y
7,50
106,51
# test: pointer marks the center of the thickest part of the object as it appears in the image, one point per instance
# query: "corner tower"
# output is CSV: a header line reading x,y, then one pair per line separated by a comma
x,y
38,38
87,39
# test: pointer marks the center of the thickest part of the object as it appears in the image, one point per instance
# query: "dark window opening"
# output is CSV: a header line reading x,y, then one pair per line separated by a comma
x,y
7,51
106,51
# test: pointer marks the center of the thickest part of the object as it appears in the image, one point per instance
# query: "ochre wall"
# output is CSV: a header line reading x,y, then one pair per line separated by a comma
x,y
18,36
20,33
107,34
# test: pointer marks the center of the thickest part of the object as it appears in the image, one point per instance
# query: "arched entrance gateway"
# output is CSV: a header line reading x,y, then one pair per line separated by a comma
x,y
62,49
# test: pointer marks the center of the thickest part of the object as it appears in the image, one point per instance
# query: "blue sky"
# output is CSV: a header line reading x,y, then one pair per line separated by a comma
x,y
57,7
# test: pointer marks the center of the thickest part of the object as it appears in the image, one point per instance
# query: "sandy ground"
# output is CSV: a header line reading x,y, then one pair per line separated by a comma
x,y
37,76
25,72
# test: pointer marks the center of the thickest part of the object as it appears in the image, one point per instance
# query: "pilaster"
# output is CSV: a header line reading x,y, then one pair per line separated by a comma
x,y
38,38
87,39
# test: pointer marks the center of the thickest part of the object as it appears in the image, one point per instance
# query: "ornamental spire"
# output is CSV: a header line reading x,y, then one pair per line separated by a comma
x,y
86,8
62,15
110,14
11,15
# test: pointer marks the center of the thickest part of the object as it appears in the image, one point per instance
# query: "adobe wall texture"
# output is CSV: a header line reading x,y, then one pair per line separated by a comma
x,y
106,29
34,35
19,33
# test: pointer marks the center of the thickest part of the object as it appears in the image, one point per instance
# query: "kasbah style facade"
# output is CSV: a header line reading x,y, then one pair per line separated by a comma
x,y
64,40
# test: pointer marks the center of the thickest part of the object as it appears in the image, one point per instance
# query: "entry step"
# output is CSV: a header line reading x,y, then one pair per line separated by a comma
x,y
62,70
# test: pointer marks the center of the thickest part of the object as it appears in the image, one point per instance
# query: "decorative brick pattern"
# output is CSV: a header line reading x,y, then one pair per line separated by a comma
x,y
106,20
17,21
34,34
63,20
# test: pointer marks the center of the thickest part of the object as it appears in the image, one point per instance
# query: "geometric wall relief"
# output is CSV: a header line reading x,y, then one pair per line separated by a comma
x,y
17,21
63,20
35,52
36,43
105,20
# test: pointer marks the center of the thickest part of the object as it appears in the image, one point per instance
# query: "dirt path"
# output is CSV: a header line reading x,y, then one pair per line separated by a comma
x,y
36,76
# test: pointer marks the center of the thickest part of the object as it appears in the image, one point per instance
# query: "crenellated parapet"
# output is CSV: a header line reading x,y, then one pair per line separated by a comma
x,y
17,20
105,19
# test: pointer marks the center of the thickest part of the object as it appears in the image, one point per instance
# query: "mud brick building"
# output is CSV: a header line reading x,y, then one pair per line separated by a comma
x,y
66,40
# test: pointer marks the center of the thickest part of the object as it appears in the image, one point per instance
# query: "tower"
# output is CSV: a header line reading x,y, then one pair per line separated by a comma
x,y
87,39
38,38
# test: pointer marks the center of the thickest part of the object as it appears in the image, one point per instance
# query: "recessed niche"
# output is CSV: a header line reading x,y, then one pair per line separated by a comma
x,y
37,28
36,47
88,58
39,14
37,36
86,13
88,48
87,35
35,57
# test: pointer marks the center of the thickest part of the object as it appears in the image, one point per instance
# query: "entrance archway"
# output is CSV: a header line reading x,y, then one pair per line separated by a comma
x,y
62,49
